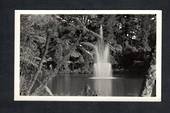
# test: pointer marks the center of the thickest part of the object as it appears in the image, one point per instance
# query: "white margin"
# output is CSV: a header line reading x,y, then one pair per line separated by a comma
x,y
18,97
17,57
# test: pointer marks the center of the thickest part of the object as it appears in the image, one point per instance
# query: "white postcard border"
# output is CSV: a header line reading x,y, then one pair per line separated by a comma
x,y
18,97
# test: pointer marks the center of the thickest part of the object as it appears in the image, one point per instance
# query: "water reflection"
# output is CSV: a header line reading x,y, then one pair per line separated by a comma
x,y
76,85
103,87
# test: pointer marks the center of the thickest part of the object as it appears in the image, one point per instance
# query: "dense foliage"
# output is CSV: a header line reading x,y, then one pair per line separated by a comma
x,y
64,44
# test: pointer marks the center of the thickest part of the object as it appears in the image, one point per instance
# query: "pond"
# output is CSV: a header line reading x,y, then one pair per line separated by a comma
x,y
84,85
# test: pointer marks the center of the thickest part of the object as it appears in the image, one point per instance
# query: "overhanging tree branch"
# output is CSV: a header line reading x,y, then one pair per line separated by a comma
x,y
84,28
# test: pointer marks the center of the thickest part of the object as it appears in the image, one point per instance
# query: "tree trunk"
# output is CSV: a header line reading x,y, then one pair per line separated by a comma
x,y
32,82
150,82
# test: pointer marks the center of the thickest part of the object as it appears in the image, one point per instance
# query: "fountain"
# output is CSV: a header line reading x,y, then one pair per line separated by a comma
x,y
102,68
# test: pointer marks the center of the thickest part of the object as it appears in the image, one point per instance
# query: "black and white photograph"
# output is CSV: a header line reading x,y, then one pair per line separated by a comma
x,y
88,55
